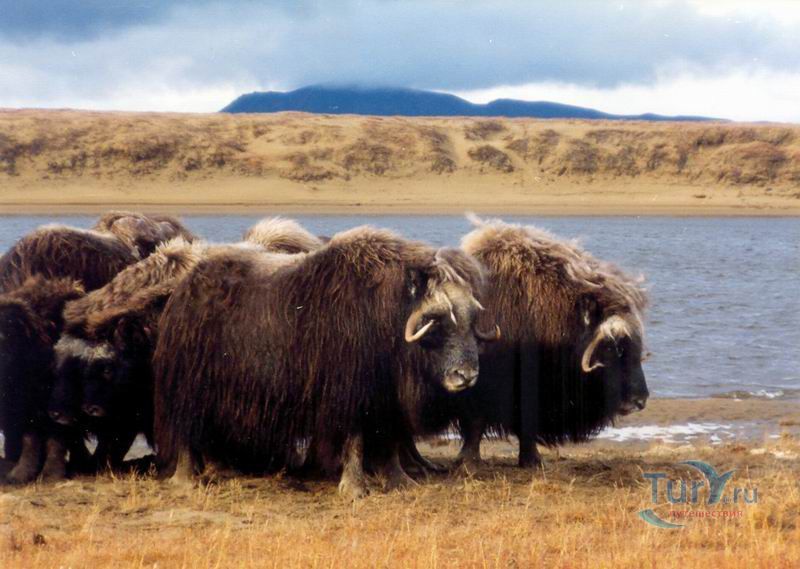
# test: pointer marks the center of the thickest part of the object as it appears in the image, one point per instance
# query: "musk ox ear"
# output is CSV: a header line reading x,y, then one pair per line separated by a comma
x,y
416,283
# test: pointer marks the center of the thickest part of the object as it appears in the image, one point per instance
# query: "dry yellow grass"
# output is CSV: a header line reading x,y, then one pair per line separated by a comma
x,y
301,162
579,511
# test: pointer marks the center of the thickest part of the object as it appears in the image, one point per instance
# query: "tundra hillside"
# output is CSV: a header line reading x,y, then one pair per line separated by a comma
x,y
303,162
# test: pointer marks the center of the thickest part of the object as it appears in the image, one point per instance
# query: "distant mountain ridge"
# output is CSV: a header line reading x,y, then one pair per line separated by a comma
x,y
415,103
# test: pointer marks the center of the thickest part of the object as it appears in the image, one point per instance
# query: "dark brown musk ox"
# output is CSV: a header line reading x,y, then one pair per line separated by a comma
x,y
30,321
142,232
50,252
570,359
257,352
103,375
91,257
103,360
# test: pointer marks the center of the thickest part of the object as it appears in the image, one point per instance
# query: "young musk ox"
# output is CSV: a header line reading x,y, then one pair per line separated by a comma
x,y
257,352
570,359
30,321
104,371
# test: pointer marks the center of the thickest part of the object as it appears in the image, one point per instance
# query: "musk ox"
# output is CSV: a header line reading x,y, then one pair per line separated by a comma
x,y
56,251
142,233
571,353
90,257
103,360
30,321
103,374
51,252
257,352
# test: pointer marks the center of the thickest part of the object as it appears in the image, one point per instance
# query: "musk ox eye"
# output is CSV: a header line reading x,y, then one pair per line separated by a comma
x,y
108,374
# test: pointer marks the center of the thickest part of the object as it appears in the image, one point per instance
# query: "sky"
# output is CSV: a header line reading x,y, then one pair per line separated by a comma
x,y
732,59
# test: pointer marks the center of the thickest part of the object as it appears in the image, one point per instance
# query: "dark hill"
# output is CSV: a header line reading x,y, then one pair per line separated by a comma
x,y
413,103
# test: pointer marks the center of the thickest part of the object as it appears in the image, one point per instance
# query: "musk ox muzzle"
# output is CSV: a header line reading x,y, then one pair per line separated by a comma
x,y
460,378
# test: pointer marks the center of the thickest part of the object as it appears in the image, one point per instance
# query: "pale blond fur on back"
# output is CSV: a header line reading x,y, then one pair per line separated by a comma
x,y
281,235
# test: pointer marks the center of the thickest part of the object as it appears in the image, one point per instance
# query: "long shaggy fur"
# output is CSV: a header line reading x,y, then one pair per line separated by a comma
x,y
53,251
281,235
259,352
133,289
550,298
142,233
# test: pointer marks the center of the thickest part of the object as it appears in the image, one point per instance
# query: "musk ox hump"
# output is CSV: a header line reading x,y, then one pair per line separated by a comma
x,y
281,235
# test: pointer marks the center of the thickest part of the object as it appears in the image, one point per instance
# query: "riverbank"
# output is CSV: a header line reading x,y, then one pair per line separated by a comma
x,y
295,163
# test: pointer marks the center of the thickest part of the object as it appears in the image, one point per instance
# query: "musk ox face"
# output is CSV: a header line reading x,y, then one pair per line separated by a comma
x,y
98,378
444,325
613,361
85,374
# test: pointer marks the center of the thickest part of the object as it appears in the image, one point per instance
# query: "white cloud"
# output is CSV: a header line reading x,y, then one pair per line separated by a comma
x,y
754,95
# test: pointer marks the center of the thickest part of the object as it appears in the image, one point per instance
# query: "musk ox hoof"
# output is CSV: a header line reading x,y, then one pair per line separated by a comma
x,y
468,463
21,474
534,461
353,489
399,481
54,472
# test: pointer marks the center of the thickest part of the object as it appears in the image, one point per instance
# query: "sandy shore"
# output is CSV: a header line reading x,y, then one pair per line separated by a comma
x,y
85,162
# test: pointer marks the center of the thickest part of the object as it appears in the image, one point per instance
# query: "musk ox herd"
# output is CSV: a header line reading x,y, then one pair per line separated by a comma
x,y
288,351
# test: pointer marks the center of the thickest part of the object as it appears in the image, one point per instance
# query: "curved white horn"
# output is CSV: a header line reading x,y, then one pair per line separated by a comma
x,y
412,336
586,360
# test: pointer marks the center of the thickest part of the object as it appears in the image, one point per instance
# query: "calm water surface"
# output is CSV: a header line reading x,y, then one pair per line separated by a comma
x,y
725,312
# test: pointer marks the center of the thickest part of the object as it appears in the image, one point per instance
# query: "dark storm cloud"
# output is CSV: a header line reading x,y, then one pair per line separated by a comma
x,y
97,48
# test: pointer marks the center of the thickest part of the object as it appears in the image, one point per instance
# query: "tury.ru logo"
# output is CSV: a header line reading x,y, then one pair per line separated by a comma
x,y
682,493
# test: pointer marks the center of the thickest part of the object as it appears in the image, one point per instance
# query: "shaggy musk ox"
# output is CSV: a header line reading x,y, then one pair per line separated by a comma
x,y
90,257
257,352
142,233
103,373
51,252
30,321
570,357
55,251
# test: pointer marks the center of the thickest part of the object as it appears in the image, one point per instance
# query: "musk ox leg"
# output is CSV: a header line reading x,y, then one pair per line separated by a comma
x,y
353,484
185,467
30,460
529,456
411,459
472,433
396,477
55,461
13,446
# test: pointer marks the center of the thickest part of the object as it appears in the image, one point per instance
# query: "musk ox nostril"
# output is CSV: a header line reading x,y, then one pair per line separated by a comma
x,y
640,403
55,416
